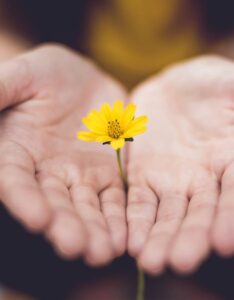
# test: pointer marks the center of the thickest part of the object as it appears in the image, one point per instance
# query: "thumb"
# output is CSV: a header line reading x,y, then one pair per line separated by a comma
x,y
15,82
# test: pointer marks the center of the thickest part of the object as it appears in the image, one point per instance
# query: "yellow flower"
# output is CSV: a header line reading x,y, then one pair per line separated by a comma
x,y
113,125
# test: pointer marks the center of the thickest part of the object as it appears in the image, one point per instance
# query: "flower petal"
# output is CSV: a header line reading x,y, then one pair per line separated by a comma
x,y
106,111
98,117
139,121
117,143
133,132
86,136
103,139
117,110
128,115
137,126
94,125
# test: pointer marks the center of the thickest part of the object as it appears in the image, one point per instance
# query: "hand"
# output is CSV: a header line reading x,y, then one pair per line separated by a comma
x,y
49,180
181,172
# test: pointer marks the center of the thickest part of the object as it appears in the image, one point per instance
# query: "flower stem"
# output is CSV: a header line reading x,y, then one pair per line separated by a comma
x,y
121,171
140,284
141,277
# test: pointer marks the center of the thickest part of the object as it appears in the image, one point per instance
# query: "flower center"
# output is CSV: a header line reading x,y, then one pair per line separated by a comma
x,y
114,129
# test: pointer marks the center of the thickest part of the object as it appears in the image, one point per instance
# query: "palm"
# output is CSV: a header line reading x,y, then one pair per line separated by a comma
x,y
52,180
186,163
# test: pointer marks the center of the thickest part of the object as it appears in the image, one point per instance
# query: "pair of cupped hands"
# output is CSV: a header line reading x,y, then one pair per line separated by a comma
x,y
180,200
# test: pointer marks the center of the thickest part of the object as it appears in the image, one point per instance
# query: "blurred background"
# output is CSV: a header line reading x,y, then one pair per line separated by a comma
x,y
131,40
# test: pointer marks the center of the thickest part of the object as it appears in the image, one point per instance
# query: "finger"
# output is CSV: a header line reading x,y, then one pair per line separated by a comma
x,y
66,230
113,206
171,211
141,214
19,190
223,231
99,249
192,243
15,82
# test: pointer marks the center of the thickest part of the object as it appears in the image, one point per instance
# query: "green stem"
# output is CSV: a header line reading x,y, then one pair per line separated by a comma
x,y
140,285
121,171
141,277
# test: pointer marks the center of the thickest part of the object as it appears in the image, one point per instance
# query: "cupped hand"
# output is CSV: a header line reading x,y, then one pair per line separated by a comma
x,y
181,172
49,180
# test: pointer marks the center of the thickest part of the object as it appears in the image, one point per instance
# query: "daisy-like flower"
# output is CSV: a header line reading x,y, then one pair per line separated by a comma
x,y
116,125
113,125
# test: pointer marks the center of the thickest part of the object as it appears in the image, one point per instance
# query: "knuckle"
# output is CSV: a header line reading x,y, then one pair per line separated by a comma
x,y
141,195
194,229
139,221
200,206
170,217
23,70
115,218
160,234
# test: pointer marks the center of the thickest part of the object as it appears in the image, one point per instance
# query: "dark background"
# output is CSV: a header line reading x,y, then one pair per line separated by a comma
x,y
64,21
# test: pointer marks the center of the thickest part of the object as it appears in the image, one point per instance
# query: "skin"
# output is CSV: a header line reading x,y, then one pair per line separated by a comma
x,y
52,183
181,172
170,222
